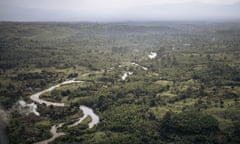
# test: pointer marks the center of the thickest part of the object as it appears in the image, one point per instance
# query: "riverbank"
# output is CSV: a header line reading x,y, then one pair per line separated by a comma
x,y
86,111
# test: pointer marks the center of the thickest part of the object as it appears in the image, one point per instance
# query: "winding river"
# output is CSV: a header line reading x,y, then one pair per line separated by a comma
x,y
54,133
86,112
35,97
144,68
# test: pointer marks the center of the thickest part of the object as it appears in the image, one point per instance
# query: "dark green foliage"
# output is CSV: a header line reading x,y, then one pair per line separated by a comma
x,y
189,123
189,127
72,75
22,129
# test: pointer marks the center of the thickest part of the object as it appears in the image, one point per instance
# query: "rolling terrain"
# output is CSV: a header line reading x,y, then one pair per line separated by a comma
x,y
149,82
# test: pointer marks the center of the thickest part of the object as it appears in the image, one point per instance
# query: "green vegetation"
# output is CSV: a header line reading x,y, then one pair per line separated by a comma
x,y
190,127
189,94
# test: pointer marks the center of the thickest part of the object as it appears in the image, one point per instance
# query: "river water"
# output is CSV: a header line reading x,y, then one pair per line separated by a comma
x,y
86,111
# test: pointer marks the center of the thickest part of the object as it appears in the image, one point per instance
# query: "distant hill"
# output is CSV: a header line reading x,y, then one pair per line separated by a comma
x,y
188,11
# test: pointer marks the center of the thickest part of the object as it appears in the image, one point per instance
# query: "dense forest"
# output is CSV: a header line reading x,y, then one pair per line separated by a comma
x,y
187,93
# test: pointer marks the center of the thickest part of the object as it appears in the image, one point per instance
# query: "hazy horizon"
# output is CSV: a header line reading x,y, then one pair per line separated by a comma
x,y
120,10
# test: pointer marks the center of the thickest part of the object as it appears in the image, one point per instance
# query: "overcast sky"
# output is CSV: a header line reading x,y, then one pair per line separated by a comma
x,y
118,10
